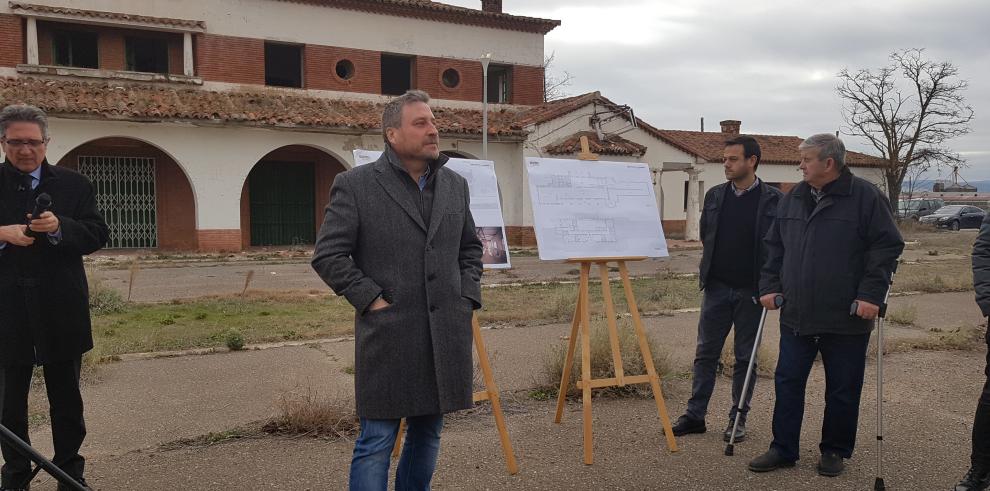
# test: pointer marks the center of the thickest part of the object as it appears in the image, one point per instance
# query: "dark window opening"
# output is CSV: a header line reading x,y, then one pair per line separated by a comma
x,y
146,55
396,74
499,84
283,65
451,78
76,49
345,69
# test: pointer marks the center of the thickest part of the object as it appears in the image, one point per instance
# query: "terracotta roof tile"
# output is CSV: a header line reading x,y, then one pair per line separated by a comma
x,y
96,14
774,149
275,108
612,145
425,9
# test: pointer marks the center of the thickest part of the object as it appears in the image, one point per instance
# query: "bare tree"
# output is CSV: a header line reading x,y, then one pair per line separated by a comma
x,y
907,110
553,85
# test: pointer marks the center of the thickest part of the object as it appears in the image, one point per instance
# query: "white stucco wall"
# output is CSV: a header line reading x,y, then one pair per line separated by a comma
x,y
217,160
311,24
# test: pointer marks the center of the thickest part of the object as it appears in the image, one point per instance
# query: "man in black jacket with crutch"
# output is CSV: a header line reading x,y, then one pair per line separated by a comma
x,y
978,477
44,299
834,242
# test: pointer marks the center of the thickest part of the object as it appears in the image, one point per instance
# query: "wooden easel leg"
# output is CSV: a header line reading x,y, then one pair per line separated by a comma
x,y
569,358
398,440
586,363
613,330
493,396
644,348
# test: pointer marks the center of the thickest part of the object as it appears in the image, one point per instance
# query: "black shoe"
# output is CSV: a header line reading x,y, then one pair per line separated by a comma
x,y
26,487
740,433
977,479
769,461
686,425
830,465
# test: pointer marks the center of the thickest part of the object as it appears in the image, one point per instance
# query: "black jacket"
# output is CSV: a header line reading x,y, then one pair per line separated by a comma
x,y
981,267
765,213
44,296
824,259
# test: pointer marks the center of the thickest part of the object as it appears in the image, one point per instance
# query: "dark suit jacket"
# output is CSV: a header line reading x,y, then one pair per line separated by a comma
x,y
44,296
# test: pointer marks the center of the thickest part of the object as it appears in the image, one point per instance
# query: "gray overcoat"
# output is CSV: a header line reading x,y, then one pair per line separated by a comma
x,y
414,357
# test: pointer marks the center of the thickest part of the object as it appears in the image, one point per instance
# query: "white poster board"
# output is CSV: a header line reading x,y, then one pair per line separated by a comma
x,y
594,209
486,207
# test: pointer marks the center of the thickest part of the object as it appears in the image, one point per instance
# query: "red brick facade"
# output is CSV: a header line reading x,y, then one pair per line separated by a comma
x,y
520,236
11,40
230,59
320,69
429,77
219,240
527,85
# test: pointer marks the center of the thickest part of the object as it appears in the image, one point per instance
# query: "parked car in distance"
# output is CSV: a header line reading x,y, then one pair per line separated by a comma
x,y
955,217
916,208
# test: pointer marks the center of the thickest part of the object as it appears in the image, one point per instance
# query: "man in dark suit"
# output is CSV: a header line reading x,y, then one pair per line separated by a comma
x,y
44,298
399,243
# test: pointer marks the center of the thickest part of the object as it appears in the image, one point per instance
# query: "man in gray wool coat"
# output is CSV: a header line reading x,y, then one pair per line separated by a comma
x,y
399,243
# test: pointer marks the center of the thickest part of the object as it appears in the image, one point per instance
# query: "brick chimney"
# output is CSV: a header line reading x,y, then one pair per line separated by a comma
x,y
491,6
730,126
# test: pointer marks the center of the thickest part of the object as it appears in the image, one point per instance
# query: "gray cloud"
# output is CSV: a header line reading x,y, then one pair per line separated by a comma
x,y
770,64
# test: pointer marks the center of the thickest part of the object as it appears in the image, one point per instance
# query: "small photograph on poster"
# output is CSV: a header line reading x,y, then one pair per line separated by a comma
x,y
493,246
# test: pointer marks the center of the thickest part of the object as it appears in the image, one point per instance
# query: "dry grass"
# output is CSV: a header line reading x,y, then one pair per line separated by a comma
x,y
307,413
766,360
601,362
962,338
935,277
905,316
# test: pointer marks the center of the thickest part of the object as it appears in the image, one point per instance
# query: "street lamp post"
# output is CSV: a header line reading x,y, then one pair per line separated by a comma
x,y
487,58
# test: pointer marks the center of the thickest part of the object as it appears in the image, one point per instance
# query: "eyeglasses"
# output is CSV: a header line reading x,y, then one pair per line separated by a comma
x,y
24,143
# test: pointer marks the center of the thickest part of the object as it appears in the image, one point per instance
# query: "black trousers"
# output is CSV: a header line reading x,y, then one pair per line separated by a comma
x,y
66,411
981,424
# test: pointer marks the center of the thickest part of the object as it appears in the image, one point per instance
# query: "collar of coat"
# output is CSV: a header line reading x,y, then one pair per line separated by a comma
x,y
396,162
48,172
839,187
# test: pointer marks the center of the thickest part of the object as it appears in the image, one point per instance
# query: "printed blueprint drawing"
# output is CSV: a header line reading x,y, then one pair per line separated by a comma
x,y
594,209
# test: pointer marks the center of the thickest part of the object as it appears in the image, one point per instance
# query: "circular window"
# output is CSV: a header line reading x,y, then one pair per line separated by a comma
x,y
451,78
345,69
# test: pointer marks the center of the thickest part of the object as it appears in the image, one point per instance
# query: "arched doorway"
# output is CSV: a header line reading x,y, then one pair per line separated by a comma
x,y
143,193
284,196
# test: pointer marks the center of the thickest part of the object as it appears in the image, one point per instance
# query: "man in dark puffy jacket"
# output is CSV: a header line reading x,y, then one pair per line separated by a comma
x,y
834,242
978,477
736,217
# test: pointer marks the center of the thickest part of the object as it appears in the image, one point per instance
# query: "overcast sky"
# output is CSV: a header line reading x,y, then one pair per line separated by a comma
x,y
771,64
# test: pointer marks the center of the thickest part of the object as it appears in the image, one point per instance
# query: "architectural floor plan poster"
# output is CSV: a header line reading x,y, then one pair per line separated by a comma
x,y
594,209
486,207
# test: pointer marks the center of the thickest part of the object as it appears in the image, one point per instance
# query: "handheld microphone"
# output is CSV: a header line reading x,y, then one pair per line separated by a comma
x,y
42,204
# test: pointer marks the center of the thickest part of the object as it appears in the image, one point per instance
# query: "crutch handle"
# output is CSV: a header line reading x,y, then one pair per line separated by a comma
x,y
854,307
778,301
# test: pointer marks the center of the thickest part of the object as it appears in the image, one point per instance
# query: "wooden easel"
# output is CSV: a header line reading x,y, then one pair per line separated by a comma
x,y
581,325
489,394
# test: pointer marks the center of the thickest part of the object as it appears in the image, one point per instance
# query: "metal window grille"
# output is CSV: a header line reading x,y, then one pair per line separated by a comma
x,y
125,195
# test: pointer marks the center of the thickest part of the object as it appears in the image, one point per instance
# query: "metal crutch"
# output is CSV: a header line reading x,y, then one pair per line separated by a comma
x,y
24,449
878,484
730,448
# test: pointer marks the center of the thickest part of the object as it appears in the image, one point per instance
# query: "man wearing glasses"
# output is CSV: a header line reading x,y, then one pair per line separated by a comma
x,y
44,305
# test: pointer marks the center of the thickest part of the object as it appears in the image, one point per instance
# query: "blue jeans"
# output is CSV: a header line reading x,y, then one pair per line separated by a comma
x,y
844,359
373,452
722,307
